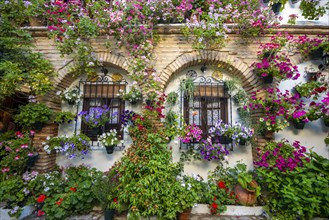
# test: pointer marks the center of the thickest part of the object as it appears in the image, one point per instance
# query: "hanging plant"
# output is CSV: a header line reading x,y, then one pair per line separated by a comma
x,y
187,87
172,98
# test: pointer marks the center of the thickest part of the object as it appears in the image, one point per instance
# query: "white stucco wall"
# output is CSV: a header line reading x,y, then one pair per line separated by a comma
x,y
101,160
313,134
294,9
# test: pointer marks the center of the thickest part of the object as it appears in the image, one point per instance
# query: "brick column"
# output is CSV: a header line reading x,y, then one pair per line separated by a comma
x,y
46,162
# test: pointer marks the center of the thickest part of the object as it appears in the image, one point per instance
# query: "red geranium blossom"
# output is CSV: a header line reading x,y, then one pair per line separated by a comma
x,y
73,189
115,200
59,201
41,198
214,205
41,213
221,185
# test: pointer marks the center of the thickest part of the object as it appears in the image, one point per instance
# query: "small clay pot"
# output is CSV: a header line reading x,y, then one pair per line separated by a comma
x,y
245,196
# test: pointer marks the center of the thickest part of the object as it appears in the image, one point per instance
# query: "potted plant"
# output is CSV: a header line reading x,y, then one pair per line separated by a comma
x,y
247,190
240,98
172,98
96,117
187,87
70,146
105,190
70,95
190,133
64,117
33,115
221,132
109,140
133,96
299,118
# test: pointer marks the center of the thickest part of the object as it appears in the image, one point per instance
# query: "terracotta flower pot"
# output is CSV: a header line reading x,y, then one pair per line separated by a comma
x,y
245,196
185,215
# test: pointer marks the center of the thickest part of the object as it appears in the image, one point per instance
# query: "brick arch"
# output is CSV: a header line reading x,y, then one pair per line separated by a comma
x,y
66,78
228,62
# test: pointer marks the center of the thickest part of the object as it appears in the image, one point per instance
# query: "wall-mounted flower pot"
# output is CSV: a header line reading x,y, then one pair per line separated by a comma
x,y
31,160
316,54
71,102
38,126
313,76
242,142
96,131
133,102
225,140
276,8
326,122
268,79
266,1
109,214
109,149
299,125
294,1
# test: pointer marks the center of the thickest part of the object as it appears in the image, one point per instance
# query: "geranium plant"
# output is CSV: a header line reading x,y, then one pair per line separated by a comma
x,y
96,116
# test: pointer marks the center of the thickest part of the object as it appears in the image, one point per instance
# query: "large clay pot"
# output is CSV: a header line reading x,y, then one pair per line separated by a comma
x,y
185,215
245,196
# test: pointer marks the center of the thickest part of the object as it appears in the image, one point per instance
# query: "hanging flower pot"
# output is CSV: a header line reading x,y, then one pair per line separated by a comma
x,y
109,214
133,102
294,1
268,79
313,76
299,125
110,149
276,8
316,54
266,1
31,160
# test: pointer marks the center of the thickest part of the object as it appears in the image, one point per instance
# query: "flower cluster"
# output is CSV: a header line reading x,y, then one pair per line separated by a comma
x,y
109,138
71,95
190,133
223,196
283,156
212,151
133,96
71,147
277,42
97,116
305,45
278,66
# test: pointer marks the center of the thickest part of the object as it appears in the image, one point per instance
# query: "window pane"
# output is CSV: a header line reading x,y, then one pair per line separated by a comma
x,y
195,116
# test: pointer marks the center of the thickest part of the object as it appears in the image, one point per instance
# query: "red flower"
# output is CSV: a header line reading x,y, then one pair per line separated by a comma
x,y
214,205
41,213
41,198
221,185
73,189
214,199
115,200
59,201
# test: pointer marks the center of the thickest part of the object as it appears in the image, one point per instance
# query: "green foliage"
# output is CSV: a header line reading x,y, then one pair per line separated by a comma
x,y
302,193
171,125
187,87
67,194
11,191
64,117
31,113
311,10
172,98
